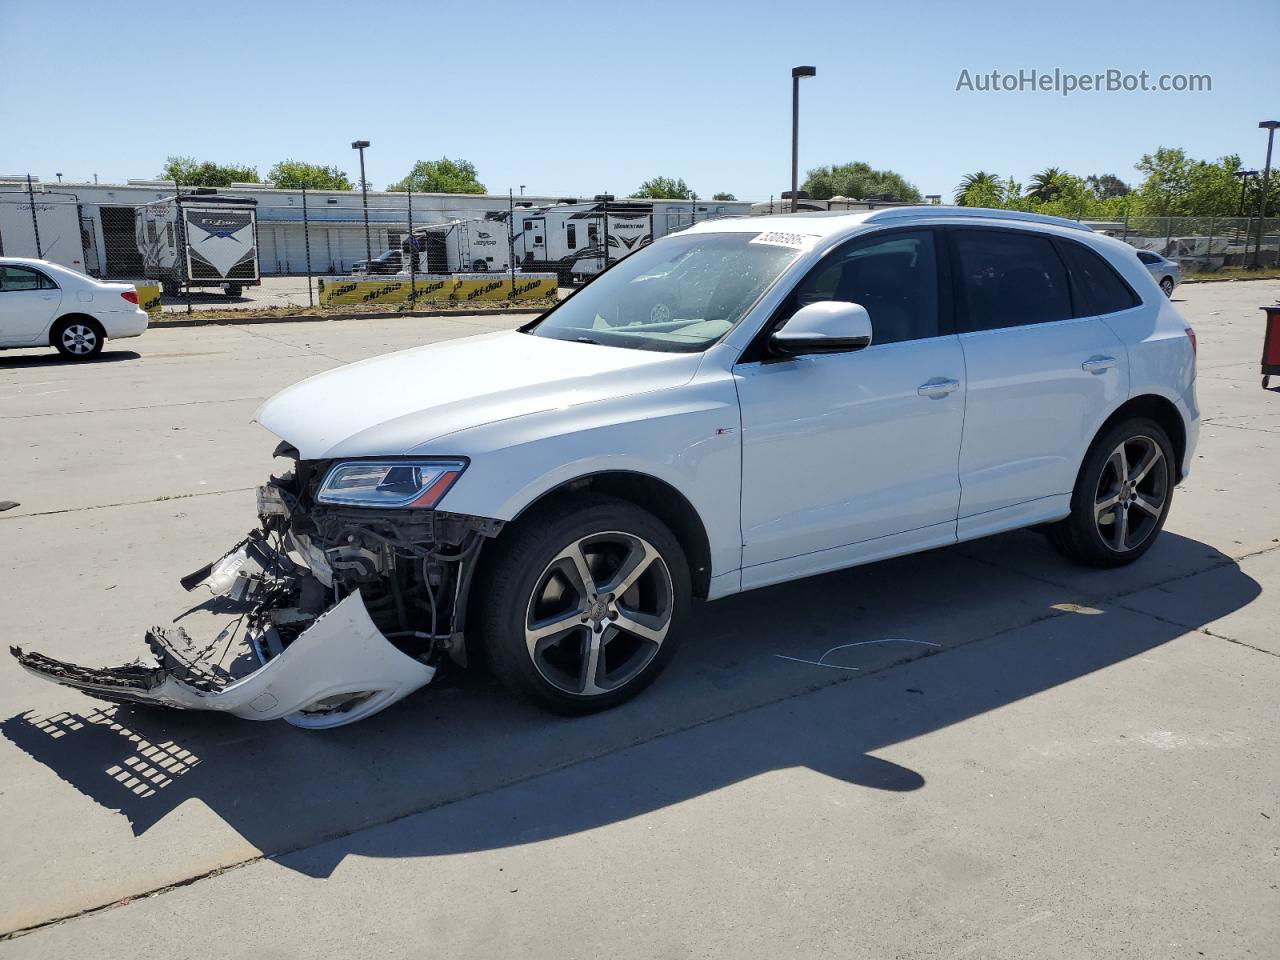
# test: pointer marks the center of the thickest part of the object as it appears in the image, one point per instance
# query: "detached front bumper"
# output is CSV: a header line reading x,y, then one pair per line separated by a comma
x,y
338,670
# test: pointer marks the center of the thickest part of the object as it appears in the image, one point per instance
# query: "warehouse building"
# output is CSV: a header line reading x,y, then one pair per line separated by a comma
x,y
331,229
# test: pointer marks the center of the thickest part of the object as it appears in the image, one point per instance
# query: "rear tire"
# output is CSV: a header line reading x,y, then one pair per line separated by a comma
x,y
1167,286
78,338
1121,497
234,290
576,647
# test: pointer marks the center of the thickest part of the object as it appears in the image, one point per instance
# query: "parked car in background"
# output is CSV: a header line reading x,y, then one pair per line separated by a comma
x,y
389,262
1167,272
44,304
817,391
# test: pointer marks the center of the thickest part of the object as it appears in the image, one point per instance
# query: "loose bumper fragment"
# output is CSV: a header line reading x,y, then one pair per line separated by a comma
x,y
339,670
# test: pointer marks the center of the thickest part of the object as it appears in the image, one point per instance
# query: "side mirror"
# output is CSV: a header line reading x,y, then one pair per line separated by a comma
x,y
830,326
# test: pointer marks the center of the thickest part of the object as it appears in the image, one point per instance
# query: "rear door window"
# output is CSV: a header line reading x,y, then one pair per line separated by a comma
x,y
22,278
1096,287
1009,279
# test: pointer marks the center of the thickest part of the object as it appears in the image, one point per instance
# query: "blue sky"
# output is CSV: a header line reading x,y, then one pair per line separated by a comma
x,y
575,98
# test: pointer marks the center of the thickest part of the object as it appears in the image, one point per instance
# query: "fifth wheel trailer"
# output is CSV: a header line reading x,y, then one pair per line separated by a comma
x,y
55,235
199,239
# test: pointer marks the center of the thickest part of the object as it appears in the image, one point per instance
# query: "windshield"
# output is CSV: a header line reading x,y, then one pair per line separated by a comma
x,y
682,293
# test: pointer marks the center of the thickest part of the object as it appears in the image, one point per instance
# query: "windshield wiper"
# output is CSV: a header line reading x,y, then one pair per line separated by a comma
x,y
587,340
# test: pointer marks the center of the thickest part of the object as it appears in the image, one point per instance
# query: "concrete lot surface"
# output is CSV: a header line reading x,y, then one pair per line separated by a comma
x,y
1030,759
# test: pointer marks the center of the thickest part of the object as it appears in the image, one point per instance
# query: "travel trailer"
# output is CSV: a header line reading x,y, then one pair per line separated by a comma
x,y
54,234
199,239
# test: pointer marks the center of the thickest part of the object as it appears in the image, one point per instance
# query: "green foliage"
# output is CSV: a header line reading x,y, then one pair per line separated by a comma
x,y
295,174
1106,186
441,176
980,189
858,181
665,188
188,172
723,196
1175,185
1047,185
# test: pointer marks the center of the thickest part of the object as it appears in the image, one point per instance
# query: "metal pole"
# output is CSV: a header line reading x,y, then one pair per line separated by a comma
x,y
182,241
35,225
795,138
364,192
1262,200
306,240
511,237
1208,249
413,252
606,233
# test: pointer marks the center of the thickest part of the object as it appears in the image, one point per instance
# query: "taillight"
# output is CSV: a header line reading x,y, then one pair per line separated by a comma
x,y
1191,335
130,295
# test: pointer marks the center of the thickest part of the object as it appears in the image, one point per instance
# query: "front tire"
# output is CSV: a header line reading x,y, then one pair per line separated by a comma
x,y
1122,496
582,604
78,338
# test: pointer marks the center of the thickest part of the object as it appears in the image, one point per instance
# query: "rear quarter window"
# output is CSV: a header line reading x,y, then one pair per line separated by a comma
x,y
1096,287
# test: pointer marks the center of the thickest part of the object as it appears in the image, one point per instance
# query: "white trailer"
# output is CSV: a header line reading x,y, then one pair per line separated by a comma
x,y
54,234
480,245
199,239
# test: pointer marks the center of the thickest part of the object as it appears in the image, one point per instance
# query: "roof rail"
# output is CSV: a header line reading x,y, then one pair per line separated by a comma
x,y
983,213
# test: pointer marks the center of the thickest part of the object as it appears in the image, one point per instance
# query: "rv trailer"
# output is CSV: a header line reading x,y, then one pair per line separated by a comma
x,y
56,223
199,239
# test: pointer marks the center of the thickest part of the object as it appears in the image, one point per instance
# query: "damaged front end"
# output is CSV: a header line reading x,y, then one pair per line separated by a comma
x,y
339,610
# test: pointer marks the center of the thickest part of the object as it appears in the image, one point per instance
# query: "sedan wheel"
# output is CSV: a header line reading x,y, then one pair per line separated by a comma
x,y
78,340
579,605
1167,286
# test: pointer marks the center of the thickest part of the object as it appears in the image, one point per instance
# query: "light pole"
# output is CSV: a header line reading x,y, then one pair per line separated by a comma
x,y
522,189
1270,127
364,191
59,176
1244,176
796,74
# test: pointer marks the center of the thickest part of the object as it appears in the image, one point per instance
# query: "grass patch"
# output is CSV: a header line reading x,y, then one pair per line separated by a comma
x,y
1235,273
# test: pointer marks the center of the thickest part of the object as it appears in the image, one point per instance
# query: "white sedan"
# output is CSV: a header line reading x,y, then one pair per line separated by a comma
x,y
43,304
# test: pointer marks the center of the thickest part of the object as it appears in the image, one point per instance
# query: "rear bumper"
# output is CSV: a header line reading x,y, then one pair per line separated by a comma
x,y
119,326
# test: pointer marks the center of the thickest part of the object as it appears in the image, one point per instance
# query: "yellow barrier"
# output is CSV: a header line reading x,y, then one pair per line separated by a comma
x,y
148,297
435,288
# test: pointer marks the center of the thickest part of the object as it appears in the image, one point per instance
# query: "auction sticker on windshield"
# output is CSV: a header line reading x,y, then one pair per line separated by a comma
x,y
778,238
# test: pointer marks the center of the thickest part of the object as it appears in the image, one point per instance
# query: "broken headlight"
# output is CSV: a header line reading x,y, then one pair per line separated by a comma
x,y
389,483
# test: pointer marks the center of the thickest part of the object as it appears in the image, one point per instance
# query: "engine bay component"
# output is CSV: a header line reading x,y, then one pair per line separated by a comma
x,y
345,609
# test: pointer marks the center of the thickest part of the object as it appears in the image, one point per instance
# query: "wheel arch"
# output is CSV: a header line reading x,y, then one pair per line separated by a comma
x,y
1153,407
81,317
656,496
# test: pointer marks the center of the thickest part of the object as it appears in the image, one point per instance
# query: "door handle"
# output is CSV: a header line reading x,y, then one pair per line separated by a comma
x,y
937,388
1098,364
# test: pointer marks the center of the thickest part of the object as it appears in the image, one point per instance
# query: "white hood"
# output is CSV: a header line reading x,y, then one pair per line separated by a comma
x,y
390,405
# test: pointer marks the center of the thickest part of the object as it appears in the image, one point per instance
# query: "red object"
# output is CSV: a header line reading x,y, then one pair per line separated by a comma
x,y
1191,335
130,295
1271,344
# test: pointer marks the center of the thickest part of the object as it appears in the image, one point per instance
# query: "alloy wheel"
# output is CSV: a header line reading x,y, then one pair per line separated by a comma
x,y
79,339
599,613
1131,494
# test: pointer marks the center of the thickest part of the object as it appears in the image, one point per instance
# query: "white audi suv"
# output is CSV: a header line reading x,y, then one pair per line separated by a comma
x,y
745,402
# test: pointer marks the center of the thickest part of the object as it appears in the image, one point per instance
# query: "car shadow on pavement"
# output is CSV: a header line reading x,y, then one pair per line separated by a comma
x,y
289,792
54,359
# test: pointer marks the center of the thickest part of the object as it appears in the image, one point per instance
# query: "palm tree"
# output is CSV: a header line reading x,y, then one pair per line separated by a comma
x,y
1046,185
986,182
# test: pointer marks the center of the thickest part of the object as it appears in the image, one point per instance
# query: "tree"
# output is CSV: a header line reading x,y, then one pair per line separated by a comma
x,y
1106,186
979,189
295,174
441,176
859,181
665,188
1046,185
723,196
188,172
1178,186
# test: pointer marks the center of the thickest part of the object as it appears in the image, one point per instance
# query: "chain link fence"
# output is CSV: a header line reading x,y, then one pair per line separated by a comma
x,y
274,249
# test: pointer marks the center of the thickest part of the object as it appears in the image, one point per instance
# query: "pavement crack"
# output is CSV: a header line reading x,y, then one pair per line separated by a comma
x,y
145,406
127,503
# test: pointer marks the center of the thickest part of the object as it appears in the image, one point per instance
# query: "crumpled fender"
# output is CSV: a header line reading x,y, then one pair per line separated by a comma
x,y
340,654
